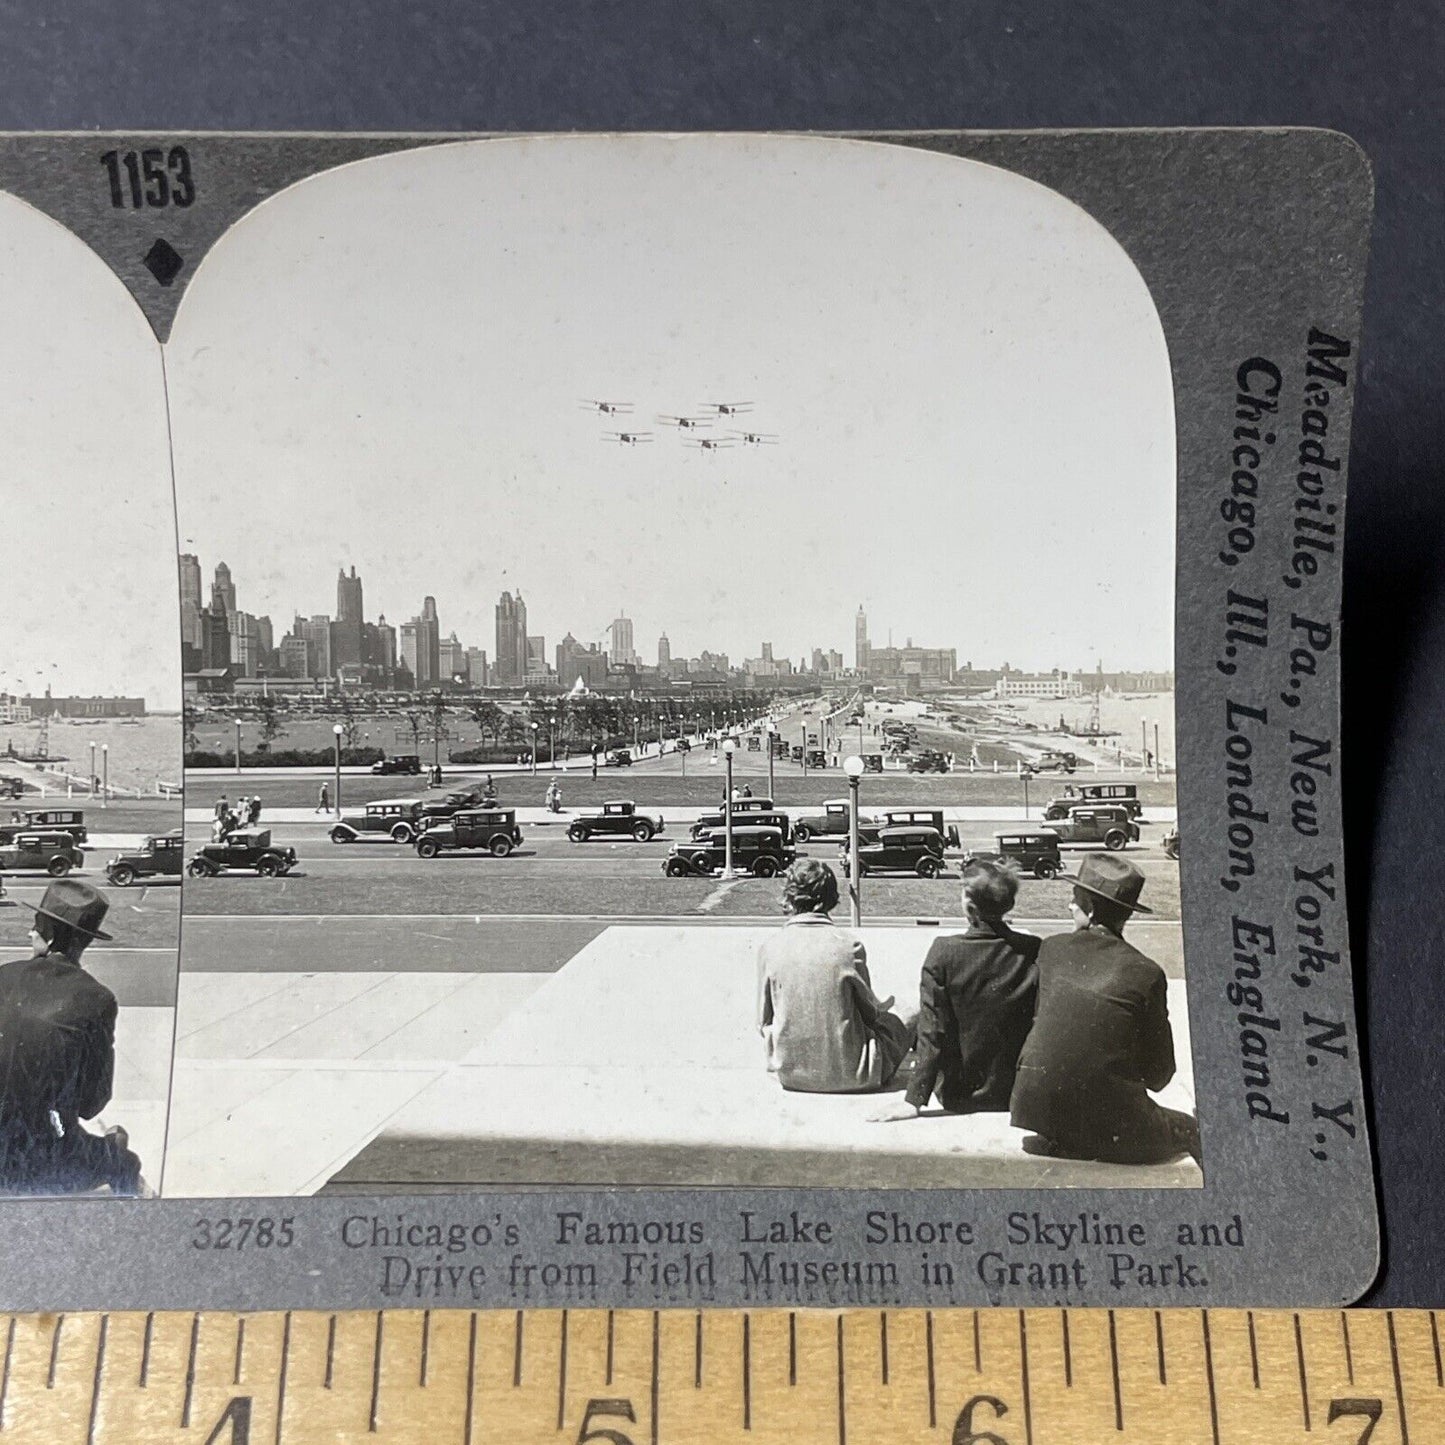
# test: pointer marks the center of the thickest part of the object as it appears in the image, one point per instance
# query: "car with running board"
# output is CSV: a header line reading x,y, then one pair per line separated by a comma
x,y
395,820
832,821
247,850
1029,851
619,819
909,849
1113,827
1123,795
760,851
29,851
490,830
159,856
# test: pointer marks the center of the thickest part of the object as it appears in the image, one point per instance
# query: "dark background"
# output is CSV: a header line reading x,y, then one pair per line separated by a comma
x,y
1373,70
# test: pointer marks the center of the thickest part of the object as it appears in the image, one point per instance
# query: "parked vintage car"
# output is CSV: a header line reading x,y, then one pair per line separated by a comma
x,y
618,818
33,851
159,856
619,758
919,818
397,763
1125,795
493,829
761,851
1171,844
1035,852
832,821
250,849
1053,760
11,786
704,829
1111,826
435,809
56,820
817,758
910,849
394,819
928,761
743,810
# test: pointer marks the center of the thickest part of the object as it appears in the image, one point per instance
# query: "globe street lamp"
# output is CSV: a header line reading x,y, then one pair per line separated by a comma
x,y
1158,764
105,775
804,726
336,731
772,734
853,766
95,775
533,726
238,747
729,747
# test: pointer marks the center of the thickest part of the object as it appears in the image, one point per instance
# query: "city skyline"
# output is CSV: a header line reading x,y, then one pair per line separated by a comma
x,y
354,587
966,373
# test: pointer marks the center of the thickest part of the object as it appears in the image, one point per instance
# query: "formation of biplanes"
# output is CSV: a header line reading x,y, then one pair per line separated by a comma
x,y
715,426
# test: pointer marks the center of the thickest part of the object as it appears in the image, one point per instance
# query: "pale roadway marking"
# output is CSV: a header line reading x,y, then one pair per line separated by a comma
x,y
714,898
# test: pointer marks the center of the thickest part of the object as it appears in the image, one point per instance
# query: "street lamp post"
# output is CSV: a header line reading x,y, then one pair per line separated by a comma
x,y
854,768
94,775
1143,744
336,731
728,748
1158,764
804,726
105,775
772,734
534,748
1025,776
238,747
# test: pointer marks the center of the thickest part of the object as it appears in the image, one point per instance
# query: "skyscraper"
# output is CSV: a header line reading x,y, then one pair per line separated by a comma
x,y
511,657
347,632
622,652
191,601
860,640
407,648
664,653
223,590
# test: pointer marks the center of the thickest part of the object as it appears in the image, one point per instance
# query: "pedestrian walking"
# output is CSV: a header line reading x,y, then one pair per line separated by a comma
x,y
323,799
253,813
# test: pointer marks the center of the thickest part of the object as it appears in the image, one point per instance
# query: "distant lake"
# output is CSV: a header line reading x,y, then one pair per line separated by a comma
x,y
143,751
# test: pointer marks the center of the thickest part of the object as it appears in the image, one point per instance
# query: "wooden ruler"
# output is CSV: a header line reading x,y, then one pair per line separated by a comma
x,y
601,1377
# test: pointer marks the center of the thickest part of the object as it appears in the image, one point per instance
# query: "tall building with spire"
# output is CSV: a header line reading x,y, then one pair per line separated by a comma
x,y
223,590
191,599
347,630
623,653
664,654
510,665
860,640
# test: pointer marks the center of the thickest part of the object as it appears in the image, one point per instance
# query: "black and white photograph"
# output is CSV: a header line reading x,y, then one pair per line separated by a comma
x,y
677,644
91,848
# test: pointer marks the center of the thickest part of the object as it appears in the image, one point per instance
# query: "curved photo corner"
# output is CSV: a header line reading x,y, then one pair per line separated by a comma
x,y
90,727
878,446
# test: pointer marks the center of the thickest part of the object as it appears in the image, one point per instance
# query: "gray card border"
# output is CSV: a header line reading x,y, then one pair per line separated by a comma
x,y
1248,241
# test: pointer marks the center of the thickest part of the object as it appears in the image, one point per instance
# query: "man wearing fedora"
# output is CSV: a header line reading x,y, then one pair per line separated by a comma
x,y
57,1056
1100,1040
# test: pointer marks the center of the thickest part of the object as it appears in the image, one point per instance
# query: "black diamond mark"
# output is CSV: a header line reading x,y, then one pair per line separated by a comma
x,y
163,261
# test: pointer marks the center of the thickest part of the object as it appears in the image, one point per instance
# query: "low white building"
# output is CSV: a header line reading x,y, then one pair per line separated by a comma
x,y
13,710
1038,684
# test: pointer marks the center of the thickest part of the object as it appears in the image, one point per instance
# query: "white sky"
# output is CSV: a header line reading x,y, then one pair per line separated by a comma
x,y
87,527
383,366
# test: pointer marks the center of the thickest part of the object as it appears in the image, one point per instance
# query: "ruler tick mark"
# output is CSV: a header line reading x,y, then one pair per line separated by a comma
x,y
285,1361
330,1351
375,1373
190,1372
1349,1353
1209,1377
1068,1355
1304,1390
1114,1370
932,1387
471,1379
747,1373
1159,1347
1253,1350
882,1347
55,1352
842,1390
5,1373
1435,1342
425,1347
95,1383
1024,1375
562,1375
697,1352
655,1371
609,1347
145,1350
517,1354
1399,1387
792,1348
240,1350
977,1346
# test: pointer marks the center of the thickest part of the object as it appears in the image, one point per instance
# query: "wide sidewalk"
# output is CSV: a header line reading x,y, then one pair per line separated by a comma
x,y
638,1058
